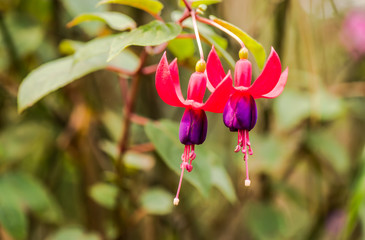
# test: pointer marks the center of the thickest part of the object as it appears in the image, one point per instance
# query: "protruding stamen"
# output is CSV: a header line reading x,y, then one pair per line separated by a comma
x,y
250,150
239,141
244,142
248,143
176,199
247,182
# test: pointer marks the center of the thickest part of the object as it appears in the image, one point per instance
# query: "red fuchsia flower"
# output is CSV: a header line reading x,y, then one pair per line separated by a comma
x,y
240,112
194,124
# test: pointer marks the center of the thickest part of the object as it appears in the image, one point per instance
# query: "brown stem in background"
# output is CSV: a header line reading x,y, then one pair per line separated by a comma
x,y
123,84
128,111
144,147
121,215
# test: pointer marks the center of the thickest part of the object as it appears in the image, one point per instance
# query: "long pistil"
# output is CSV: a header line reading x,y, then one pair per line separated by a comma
x,y
243,143
188,154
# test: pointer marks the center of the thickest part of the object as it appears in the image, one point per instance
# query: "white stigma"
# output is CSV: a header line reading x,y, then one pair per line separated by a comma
x,y
247,182
176,201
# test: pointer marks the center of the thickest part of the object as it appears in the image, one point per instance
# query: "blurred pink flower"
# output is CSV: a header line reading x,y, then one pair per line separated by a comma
x,y
353,33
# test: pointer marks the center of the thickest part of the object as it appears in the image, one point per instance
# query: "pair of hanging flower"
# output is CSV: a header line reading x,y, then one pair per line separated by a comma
x,y
236,102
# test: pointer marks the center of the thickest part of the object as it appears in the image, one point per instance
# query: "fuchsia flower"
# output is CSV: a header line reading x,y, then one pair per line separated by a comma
x,y
194,124
240,112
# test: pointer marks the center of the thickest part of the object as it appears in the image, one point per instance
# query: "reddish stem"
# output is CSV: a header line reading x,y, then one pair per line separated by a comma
x,y
186,35
149,69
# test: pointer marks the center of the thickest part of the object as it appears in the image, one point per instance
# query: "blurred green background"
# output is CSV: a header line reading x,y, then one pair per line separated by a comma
x,y
57,159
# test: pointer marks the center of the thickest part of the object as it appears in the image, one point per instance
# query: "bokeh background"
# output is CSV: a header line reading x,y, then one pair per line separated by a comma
x,y
57,159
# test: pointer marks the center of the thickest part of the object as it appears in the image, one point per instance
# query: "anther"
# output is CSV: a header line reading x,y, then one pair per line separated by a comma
x,y
244,150
192,155
237,149
189,167
247,183
250,150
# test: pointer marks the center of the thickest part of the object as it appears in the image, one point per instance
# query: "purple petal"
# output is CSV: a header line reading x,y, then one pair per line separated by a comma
x,y
240,112
193,127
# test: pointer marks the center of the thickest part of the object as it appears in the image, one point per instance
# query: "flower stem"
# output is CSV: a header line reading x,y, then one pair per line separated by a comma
x,y
187,5
214,24
193,17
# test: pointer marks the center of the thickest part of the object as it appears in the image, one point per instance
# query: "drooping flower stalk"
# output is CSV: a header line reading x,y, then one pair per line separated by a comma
x,y
193,17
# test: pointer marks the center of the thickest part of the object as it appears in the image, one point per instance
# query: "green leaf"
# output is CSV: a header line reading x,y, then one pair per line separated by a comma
x,y
196,3
153,7
33,194
256,48
356,205
115,20
157,201
12,216
135,160
104,194
326,146
165,136
73,233
222,181
151,34
264,220
75,8
182,48
272,152
26,35
13,220
131,159
292,107
27,142
58,73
